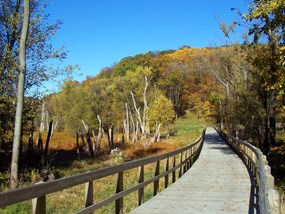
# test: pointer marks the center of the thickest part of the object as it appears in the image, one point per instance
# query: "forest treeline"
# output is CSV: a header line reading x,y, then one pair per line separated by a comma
x,y
224,85
143,94
239,87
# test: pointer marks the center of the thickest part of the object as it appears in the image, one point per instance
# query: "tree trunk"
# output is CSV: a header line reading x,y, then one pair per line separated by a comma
x,y
221,115
133,128
47,143
88,139
77,145
20,96
54,126
127,124
265,148
138,115
274,46
109,131
31,149
156,136
99,136
82,139
136,131
272,117
94,145
31,145
40,143
41,130
145,110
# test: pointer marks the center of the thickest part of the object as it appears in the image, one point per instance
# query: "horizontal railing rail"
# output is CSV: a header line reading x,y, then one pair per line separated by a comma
x,y
256,162
37,193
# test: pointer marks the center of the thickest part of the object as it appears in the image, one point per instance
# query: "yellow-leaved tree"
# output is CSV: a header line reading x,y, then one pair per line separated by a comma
x,y
267,20
161,113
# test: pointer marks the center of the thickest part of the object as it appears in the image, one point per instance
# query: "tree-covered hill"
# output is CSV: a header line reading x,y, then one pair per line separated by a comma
x,y
143,94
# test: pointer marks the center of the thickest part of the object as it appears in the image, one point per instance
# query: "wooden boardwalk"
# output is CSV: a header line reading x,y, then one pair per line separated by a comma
x,y
218,182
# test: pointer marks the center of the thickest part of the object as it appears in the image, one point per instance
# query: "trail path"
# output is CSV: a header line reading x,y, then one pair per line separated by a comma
x,y
218,182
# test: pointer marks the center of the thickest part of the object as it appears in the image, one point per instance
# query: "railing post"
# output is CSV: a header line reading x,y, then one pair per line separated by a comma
x,y
191,157
247,152
156,183
181,159
166,176
188,159
120,187
195,153
141,190
270,178
268,199
173,173
246,158
88,194
255,165
274,201
39,205
185,165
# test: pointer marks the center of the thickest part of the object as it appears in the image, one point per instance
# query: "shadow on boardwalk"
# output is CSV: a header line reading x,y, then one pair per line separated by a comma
x,y
218,182
215,139
253,199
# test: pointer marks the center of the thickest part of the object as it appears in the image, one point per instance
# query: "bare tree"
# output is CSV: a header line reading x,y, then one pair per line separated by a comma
x,y
138,114
142,119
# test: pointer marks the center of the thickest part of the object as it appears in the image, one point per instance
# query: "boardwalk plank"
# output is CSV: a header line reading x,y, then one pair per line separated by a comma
x,y
217,183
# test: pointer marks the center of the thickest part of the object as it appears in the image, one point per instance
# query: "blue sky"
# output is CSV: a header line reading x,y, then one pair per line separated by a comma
x,y
98,33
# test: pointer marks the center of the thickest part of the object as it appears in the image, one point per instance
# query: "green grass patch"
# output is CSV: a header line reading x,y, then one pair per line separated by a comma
x,y
20,208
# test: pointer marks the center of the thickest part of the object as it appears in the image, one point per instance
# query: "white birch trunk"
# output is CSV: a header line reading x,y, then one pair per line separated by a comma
x,y
42,125
221,115
20,96
94,146
133,127
127,124
136,131
41,129
156,136
86,128
138,114
145,110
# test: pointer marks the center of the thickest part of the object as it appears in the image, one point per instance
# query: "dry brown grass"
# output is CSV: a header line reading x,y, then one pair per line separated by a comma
x,y
139,150
60,141
63,146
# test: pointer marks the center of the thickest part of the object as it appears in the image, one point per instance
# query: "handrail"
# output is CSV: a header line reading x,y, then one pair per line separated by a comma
x,y
268,198
37,193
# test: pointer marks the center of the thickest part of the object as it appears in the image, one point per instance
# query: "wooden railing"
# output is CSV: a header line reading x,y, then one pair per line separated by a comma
x,y
37,193
268,198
